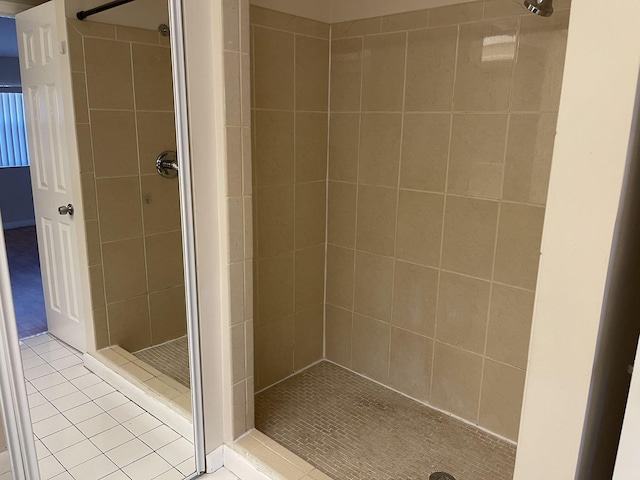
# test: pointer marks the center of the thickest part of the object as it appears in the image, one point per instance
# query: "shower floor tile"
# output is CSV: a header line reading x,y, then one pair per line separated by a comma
x,y
352,428
171,358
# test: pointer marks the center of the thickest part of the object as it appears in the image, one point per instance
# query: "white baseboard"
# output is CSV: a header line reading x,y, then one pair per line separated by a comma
x,y
18,224
5,461
215,460
240,466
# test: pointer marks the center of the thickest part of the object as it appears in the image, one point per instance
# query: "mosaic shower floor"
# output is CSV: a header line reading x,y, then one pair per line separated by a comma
x,y
352,428
171,358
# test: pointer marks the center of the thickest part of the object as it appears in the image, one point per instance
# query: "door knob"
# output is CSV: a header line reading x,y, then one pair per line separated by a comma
x,y
66,210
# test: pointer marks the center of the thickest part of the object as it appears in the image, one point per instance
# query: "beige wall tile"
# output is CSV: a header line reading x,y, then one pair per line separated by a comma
x,y
311,146
373,286
274,352
379,162
238,368
160,204
425,151
528,162
101,328
466,12
80,106
477,155
249,346
371,347
152,77
156,134
97,287
249,272
245,90
510,325
340,276
309,278
290,23
275,220
124,269
346,72
484,73
431,54
376,220
383,72
503,8
119,207
419,231
410,363
342,214
312,74
518,249
129,325
455,386
93,29
138,35
275,292
237,293
168,314
415,294
76,49
343,146
93,243
274,147
232,89
114,143
235,208
109,77
273,64
239,409
338,335
405,21
164,260
248,227
247,166
85,147
463,308
231,24
89,200
308,337
311,209
501,404
469,236
245,28
356,28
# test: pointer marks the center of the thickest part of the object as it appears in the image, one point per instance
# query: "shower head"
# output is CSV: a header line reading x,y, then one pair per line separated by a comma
x,y
544,8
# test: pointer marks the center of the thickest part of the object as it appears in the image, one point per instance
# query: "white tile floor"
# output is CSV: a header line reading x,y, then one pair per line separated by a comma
x,y
86,430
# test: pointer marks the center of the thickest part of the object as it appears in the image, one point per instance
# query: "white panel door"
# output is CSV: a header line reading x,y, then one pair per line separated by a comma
x,y
40,68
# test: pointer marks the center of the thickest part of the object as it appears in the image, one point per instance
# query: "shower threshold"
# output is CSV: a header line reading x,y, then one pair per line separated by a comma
x,y
350,427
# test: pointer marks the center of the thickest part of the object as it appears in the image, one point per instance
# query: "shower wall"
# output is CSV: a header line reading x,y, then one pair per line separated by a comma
x,y
442,131
123,102
290,103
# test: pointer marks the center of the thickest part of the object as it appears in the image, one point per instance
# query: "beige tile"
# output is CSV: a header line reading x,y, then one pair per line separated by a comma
x,y
160,204
231,24
247,166
510,325
129,325
538,76
275,220
477,155
236,293
469,236
239,409
466,12
80,107
311,210
273,155
503,8
164,260
236,224
156,134
248,227
138,35
273,65
501,404
370,346
168,314
97,287
518,249
124,269
344,133
485,67
346,73
249,347
311,146
339,325
245,90
356,28
419,231
114,143
238,368
463,308
405,21
425,151
309,279
431,54
76,50
287,22
93,29
275,288
373,286
455,386
249,272
109,76
312,74
93,242
410,363
89,200
340,273
245,29
376,220
85,148
341,220
101,328
119,208
232,89
383,72
308,337
274,352
152,77
415,294
528,162
380,138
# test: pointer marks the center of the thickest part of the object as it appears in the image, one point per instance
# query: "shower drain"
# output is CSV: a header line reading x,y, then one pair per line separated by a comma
x,y
441,476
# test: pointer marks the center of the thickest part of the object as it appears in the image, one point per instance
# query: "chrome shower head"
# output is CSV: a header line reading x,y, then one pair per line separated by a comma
x,y
544,8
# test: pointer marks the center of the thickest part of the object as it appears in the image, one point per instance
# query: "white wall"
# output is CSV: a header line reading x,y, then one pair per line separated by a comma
x,y
16,199
594,126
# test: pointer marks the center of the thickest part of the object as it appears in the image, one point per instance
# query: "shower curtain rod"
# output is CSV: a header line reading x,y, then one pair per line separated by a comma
x,y
107,6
